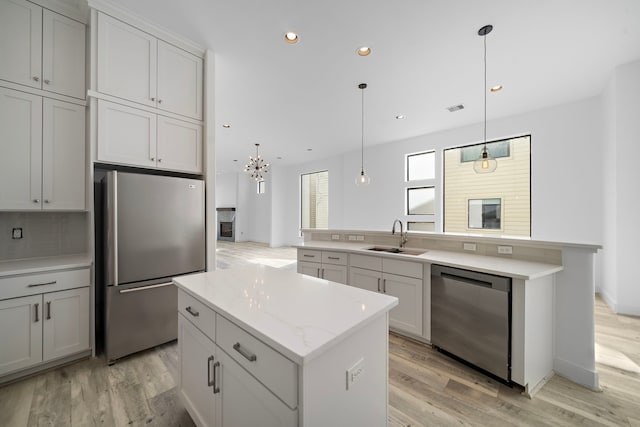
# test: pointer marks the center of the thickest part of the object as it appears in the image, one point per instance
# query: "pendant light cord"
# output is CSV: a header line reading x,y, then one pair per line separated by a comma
x,y
485,91
362,133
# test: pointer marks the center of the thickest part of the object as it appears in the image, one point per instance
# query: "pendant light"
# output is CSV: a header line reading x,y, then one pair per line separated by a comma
x,y
362,178
257,166
485,163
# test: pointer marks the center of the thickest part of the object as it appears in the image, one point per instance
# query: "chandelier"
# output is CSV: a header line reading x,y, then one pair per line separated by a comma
x,y
257,166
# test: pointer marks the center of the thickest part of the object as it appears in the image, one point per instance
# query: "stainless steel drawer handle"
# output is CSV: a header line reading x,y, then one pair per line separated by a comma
x,y
308,256
209,380
191,311
378,284
333,257
48,310
37,309
246,354
216,389
35,285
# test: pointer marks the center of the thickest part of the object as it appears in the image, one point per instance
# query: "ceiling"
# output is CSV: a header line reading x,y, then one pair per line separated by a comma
x,y
426,56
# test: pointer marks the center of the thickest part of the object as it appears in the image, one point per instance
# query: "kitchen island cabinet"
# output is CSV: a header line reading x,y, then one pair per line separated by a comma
x,y
263,346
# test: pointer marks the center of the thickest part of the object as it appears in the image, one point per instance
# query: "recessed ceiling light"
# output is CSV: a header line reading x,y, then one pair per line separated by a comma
x,y
454,108
364,51
279,158
291,37
400,116
496,88
309,149
235,160
226,125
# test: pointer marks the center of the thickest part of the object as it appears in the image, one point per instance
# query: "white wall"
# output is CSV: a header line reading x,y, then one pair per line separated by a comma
x,y
622,175
565,176
226,190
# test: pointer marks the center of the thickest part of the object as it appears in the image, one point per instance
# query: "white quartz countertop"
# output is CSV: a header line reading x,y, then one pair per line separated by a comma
x,y
517,269
39,265
298,315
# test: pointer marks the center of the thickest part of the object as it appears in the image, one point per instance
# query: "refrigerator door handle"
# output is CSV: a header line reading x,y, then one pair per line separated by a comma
x,y
111,222
145,288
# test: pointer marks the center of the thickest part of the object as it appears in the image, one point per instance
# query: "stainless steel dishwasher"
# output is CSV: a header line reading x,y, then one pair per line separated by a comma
x,y
471,318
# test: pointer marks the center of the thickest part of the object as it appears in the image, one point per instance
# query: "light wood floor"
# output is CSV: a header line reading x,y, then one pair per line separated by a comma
x,y
426,388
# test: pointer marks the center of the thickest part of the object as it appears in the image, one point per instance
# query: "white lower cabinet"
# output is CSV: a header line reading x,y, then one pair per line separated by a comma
x,y
407,315
43,327
216,389
324,265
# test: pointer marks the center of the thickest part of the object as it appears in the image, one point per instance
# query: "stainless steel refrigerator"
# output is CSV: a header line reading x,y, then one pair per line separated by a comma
x,y
153,229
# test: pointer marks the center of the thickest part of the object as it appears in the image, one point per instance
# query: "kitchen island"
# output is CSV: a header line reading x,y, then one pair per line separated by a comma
x,y
269,347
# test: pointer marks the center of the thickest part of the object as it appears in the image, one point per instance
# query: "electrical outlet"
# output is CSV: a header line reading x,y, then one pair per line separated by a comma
x,y
506,250
360,238
335,237
16,233
355,373
469,246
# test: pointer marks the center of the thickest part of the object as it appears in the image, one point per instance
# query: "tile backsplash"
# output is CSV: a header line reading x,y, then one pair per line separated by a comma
x,y
43,234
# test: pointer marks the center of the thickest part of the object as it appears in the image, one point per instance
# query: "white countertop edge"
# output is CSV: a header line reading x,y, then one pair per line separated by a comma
x,y
500,240
514,268
17,267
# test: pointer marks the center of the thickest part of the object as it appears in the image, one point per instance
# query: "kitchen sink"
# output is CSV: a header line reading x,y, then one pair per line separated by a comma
x,y
396,250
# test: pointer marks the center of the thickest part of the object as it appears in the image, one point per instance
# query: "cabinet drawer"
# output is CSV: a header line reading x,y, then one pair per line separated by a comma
x,y
31,284
276,372
338,258
309,255
367,262
403,268
199,314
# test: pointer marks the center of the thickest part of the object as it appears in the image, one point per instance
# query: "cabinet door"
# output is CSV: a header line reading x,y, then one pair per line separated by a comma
x,y
126,61
309,268
21,150
179,81
63,155
407,315
66,323
63,55
196,358
244,401
179,145
335,273
126,135
365,279
20,42
20,333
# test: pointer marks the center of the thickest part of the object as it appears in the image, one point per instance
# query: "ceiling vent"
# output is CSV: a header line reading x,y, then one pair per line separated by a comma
x,y
455,108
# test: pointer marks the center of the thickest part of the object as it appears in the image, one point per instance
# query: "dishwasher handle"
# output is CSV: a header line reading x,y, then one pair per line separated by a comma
x,y
467,280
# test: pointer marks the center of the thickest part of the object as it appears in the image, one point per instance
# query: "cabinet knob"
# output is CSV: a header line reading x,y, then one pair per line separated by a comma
x,y
46,200
46,81
36,78
159,101
159,160
36,200
153,159
153,99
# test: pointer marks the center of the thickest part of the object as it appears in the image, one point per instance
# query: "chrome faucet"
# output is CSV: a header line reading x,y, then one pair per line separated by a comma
x,y
403,236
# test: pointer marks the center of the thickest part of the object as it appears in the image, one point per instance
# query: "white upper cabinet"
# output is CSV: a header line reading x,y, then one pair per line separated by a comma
x,y
126,61
136,66
41,49
42,165
63,55
21,150
179,81
21,42
63,155
179,145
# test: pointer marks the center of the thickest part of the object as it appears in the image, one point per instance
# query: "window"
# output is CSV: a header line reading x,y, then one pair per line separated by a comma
x,y
421,166
485,213
421,201
261,187
496,150
314,206
421,226
497,203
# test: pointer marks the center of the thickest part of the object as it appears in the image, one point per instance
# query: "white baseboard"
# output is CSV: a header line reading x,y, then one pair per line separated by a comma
x,y
577,374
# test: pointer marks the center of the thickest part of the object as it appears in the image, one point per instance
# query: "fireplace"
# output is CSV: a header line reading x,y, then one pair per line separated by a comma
x,y
226,224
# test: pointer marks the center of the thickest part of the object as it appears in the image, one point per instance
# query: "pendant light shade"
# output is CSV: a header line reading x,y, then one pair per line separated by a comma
x,y
485,163
362,178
